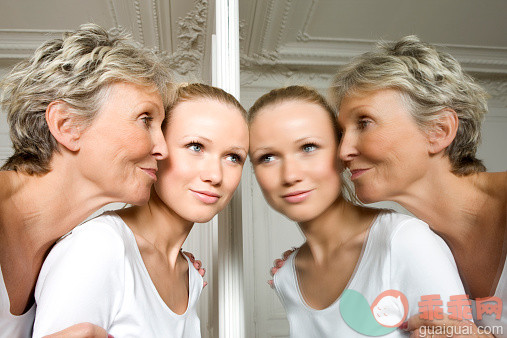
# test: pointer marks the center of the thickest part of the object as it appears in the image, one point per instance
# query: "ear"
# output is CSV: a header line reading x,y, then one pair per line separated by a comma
x,y
443,130
62,125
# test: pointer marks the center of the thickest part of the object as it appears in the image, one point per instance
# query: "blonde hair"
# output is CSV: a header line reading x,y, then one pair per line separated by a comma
x,y
192,91
297,93
429,81
76,69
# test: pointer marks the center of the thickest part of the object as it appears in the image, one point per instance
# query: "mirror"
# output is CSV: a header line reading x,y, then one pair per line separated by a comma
x,y
304,42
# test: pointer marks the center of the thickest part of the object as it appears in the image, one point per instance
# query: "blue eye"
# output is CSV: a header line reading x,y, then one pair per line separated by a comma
x,y
234,158
307,148
195,146
266,158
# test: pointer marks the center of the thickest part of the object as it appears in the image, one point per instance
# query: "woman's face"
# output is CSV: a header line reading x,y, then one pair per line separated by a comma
x,y
293,149
382,146
208,145
119,150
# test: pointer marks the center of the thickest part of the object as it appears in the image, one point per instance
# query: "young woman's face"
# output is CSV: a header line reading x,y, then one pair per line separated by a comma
x,y
381,145
208,145
119,151
293,149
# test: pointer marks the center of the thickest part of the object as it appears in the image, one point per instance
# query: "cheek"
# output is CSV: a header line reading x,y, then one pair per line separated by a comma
x,y
267,179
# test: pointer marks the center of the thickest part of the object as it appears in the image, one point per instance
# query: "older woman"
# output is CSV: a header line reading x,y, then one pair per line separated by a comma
x,y
85,115
132,279
411,122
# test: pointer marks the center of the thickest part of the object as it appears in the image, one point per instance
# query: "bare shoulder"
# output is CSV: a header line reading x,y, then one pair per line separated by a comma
x,y
496,184
6,184
9,185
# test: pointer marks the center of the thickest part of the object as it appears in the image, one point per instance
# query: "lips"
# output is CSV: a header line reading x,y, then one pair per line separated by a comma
x,y
298,196
357,173
152,172
206,197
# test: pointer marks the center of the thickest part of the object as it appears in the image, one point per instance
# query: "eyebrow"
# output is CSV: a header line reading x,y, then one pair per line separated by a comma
x,y
200,137
239,148
263,149
301,139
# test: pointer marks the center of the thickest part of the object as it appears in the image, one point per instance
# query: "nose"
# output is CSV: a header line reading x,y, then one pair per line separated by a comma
x,y
159,149
348,147
291,171
212,171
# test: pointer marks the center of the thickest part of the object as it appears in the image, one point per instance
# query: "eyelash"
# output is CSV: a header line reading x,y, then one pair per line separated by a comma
x,y
263,158
237,158
195,144
307,145
362,123
147,120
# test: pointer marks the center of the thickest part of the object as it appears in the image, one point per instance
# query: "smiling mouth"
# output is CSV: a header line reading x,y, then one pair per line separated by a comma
x,y
357,172
297,196
206,197
150,172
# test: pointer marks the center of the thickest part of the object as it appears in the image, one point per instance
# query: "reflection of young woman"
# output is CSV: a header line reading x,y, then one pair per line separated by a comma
x,y
84,113
293,148
411,122
123,271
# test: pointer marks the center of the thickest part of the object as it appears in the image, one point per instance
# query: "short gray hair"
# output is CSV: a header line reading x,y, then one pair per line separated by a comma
x,y
76,69
429,81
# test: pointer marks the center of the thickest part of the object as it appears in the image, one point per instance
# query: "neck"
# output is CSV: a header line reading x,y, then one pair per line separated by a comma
x,y
41,209
339,224
159,226
452,205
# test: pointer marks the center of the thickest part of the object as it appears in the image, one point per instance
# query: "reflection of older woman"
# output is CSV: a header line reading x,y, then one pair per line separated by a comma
x,y
411,126
85,114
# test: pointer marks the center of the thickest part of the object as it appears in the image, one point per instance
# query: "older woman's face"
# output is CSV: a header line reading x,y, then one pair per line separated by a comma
x,y
293,150
208,145
119,150
382,146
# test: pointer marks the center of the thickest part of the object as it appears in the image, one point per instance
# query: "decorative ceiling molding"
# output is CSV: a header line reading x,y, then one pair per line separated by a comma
x,y
139,21
279,45
273,77
156,26
20,43
302,35
497,89
188,57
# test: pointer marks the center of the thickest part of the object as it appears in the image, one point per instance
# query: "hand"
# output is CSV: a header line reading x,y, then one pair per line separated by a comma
x,y
441,328
278,263
82,330
197,265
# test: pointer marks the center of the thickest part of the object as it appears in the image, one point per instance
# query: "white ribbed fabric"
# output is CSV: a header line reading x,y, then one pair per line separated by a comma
x,y
96,274
489,321
13,326
400,253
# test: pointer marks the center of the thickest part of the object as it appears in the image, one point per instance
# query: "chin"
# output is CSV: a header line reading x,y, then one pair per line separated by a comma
x,y
367,196
140,199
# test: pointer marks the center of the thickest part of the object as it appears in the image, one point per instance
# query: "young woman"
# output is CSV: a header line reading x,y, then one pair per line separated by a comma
x,y
123,270
85,115
411,122
293,148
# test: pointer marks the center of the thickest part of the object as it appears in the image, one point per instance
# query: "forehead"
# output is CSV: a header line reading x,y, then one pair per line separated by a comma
x,y
207,117
204,109
384,101
292,118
